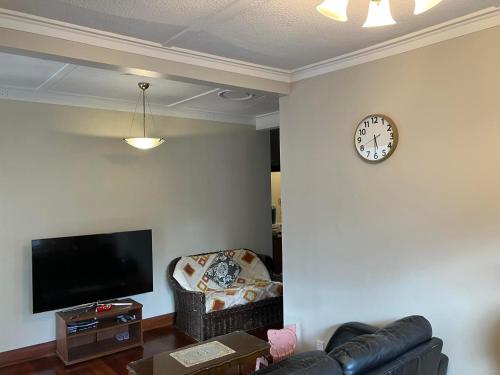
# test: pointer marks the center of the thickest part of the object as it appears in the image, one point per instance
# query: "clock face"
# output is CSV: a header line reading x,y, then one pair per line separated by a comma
x,y
376,138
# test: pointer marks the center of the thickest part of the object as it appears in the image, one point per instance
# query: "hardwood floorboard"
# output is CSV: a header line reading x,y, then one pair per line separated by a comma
x,y
155,341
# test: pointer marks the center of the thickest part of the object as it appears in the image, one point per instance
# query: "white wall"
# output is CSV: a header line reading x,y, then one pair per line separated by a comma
x,y
417,234
64,171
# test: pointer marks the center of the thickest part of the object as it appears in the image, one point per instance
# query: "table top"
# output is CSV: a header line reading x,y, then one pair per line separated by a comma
x,y
242,343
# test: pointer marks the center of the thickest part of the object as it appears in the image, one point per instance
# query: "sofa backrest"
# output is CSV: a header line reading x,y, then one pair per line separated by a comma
x,y
370,351
199,272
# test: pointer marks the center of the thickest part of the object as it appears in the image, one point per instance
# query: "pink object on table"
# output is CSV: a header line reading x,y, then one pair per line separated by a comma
x,y
283,342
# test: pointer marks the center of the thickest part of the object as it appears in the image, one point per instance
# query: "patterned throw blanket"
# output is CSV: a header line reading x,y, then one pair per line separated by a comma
x,y
228,278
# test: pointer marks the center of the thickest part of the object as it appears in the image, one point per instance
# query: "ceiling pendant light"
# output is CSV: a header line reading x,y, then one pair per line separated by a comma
x,y
144,143
379,11
422,6
335,9
379,14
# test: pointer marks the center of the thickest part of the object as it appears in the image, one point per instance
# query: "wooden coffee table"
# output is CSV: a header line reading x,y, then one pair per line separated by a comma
x,y
247,349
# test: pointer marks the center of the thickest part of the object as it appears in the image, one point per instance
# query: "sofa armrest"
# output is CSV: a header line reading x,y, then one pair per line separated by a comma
x,y
443,365
269,263
276,276
185,299
347,332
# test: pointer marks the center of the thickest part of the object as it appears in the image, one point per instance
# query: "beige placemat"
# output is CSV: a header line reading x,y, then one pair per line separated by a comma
x,y
201,353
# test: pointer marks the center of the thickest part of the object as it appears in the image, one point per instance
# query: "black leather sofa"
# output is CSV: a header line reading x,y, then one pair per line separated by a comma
x,y
405,347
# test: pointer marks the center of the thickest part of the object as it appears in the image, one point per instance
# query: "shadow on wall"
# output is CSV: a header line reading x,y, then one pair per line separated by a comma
x,y
495,344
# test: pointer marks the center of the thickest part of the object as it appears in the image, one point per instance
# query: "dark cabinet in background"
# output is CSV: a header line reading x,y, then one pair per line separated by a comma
x,y
275,150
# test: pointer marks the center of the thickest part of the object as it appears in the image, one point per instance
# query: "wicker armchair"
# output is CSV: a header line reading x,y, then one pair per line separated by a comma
x,y
192,319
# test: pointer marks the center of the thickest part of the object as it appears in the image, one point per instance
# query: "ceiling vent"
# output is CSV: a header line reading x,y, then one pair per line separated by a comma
x,y
236,96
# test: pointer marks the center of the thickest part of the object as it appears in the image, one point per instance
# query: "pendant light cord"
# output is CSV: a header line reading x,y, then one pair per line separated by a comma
x,y
133,117
153,127
144,110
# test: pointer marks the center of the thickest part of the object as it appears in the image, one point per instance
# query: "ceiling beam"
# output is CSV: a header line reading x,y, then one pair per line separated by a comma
x,y
44,38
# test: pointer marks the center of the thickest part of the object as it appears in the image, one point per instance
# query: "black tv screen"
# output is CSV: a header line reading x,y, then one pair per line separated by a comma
x,y
71,271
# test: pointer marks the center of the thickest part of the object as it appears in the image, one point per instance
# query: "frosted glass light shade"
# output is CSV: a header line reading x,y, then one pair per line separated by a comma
x,y
335,9
422,6
144,143
379,14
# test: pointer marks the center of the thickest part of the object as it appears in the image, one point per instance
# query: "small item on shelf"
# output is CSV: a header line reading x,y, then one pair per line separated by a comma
x,y
103,307
82,325
122,336
124,318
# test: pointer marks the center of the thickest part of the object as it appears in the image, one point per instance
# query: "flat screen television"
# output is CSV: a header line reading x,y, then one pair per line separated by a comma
x,y
72,271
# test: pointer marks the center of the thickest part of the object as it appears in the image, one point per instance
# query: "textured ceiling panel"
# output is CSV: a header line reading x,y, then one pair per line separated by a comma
x,y
26,72
280,33
155,21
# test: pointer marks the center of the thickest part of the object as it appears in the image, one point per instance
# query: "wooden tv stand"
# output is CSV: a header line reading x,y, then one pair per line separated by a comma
x,y
100,341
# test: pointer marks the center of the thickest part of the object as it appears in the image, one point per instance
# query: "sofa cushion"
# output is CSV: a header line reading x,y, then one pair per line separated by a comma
x,y
191,272
309,363
371,350
223,271
252,291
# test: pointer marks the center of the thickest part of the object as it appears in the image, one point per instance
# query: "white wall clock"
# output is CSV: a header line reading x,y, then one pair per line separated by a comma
x,y
376,138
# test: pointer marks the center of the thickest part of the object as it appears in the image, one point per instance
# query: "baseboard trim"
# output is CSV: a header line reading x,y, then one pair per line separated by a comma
x,y
13,357
30,353
160,321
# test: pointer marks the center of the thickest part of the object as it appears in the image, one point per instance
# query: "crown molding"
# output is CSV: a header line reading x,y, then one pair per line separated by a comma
x,y
97,102
267,121
477,21
48,27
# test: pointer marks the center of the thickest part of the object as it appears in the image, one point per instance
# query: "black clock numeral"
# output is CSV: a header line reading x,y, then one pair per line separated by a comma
x,y
362,131
367,124
384,152
374,120
362,148
389,145
367,154
359,139
375,156
383,121
389,128
392,136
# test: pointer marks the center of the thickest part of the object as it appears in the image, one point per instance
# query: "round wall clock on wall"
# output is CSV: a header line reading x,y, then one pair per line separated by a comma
x,y
376,138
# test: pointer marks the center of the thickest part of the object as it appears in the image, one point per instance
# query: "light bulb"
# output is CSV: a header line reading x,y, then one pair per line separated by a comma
x,y
144,143
422,6
379,14
335,9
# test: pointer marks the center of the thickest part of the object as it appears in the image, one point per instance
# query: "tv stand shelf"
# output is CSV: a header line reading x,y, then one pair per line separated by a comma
x,y
100,341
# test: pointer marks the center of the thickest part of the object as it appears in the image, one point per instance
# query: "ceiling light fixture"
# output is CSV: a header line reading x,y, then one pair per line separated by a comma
x,y
379,11
335,9
143,143
379,14
422,6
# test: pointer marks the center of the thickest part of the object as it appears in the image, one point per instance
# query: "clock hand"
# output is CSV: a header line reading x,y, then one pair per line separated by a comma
x,y
375,140
371,140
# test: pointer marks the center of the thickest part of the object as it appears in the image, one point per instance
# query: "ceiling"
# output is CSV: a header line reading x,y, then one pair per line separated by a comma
x,y
285,34
34,79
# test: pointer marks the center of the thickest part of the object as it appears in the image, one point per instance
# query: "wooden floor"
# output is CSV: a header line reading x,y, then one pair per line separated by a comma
x,y
155,341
